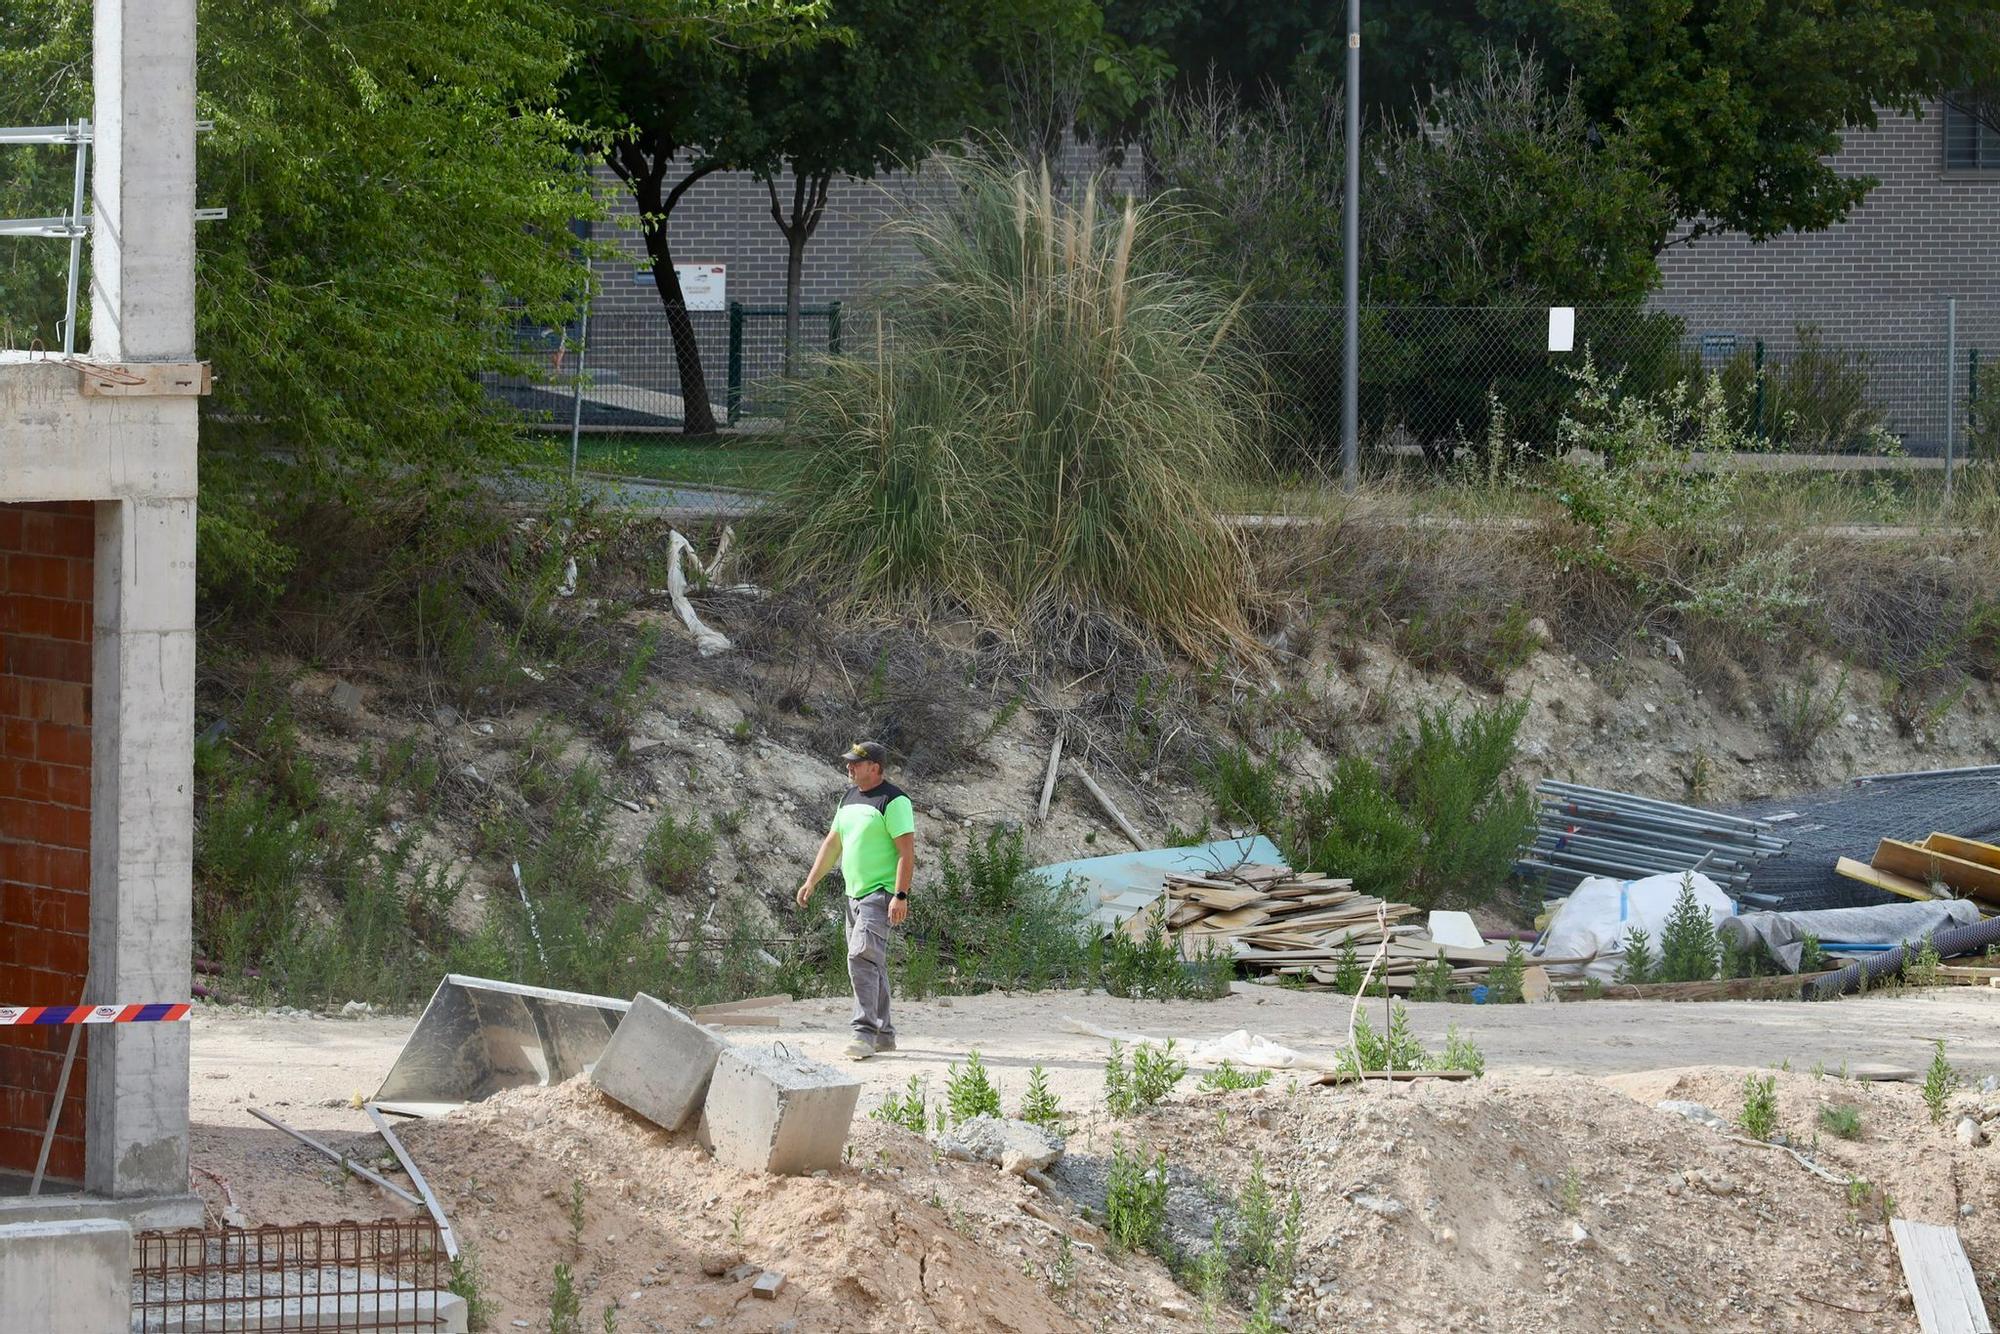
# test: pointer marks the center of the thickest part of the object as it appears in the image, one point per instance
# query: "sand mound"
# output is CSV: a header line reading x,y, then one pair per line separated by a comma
x,y
893,1241
1560,1203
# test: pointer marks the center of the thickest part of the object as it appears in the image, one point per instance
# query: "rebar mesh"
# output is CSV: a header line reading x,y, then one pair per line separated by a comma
x,y
377,1276
1848,821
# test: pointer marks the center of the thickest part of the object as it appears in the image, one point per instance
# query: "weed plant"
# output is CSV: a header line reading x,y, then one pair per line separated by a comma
x,y
1759,1117
969,1092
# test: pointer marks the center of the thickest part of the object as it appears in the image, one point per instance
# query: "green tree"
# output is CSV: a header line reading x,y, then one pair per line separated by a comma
x,y
670,101
1734,104
398,189
899,78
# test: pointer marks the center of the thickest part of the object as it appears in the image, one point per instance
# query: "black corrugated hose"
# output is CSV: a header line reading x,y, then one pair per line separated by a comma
x,y
1959,940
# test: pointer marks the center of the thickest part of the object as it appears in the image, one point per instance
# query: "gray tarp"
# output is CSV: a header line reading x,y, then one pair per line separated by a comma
x,y
1780,933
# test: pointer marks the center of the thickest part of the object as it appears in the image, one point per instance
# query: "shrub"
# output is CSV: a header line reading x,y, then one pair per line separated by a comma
x,y
1638,966
1438,820
1396,1049
1687,942
1433,981
988,921
1041,1107
1227,1078
1155,1072
1044,434
676,853
1815,399
1760,1106
968,1092
1939,1081
1841,1120
1921,965
1153,967
909,1109
1246,793
1135,1198
1504,981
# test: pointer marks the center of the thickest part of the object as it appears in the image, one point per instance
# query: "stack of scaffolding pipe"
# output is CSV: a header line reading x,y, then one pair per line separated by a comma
x,y
1588,831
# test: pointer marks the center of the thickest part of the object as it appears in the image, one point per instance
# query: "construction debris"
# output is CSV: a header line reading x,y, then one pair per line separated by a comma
x,y
479,1036
1942,1287
445,1234
770,1110
1273,920
1942,866
1583,832
1781,936
658,1063
347,1163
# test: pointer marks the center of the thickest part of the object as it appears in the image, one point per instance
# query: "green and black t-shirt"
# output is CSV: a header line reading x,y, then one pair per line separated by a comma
x,y
869,823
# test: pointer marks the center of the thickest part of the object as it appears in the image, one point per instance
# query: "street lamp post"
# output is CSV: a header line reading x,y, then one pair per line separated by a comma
x,y
1350,394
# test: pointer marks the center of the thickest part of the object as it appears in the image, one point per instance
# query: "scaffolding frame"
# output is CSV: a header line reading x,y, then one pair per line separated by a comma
x,y
74,225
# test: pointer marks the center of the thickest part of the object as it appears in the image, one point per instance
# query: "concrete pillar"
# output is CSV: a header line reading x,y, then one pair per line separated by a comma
x,y
142,182
142,843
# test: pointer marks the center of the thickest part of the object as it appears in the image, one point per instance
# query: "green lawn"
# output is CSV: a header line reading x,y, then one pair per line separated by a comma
x,y
755,462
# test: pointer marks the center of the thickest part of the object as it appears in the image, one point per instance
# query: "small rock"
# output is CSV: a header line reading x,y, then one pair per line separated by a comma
x,y
345,699
819,1174
1693,1111
354,1008
737,1273
944,1002
768,1285
1447,1237
1715,1183
1577,1235
1968,1132
1990,1084
1966,1211
1379,1204
445,716
1018,1147
717,1263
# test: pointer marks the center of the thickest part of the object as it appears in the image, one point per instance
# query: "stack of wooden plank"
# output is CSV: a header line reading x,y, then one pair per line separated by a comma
x,y
1942,866
1273,920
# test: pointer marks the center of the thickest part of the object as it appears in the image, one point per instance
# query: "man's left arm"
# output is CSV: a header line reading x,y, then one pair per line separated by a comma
x,y
903,828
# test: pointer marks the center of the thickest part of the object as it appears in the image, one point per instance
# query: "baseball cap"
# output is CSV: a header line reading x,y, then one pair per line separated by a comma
x,y
866,750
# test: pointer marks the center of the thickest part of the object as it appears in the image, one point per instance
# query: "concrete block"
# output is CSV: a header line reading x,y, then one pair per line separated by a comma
x,y
772,1111
70,1277
658,1062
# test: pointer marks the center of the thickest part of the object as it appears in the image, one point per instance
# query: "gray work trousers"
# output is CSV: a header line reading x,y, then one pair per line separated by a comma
x,y
868,966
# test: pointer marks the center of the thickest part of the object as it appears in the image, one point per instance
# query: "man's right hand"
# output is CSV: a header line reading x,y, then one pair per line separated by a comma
x,y
805,892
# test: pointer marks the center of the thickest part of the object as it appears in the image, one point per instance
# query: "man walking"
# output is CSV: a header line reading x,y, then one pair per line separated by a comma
x,y
874,835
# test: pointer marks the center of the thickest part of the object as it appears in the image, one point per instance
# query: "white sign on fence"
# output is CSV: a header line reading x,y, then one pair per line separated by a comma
x,y
1562,328
702,285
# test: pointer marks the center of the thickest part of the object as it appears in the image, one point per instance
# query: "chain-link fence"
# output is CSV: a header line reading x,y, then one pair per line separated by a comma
x,y
1432,377
624,368
1831,381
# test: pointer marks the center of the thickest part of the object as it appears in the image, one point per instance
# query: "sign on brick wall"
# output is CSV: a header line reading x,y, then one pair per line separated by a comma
x,y
702,285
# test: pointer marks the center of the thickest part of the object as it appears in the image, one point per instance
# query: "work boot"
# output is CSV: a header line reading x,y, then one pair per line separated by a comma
x,y
885,1043
859,1050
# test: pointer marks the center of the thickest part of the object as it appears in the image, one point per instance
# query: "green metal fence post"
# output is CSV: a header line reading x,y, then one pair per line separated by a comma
x,y
735,360
833,330
1757,404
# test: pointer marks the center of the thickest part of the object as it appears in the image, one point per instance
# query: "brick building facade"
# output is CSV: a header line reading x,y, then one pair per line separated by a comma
x,y
1875,284
46,582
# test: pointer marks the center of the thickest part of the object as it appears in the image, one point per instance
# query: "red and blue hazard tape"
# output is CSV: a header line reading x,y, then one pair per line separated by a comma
x,y
164,1012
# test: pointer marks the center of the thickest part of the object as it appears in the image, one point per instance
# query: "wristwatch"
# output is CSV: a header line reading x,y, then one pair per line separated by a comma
x,y
900,894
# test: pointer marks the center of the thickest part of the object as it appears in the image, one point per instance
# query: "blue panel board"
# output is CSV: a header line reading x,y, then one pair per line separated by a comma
x,y
1115,887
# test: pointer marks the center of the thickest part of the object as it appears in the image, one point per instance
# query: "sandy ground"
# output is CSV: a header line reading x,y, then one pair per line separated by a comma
x,y
1478,1176
315,1067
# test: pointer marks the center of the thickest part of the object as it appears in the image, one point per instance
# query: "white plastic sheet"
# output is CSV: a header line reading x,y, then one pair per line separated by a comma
x,y
1594,920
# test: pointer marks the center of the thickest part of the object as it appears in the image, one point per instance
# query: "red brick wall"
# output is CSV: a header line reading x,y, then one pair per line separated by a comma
x,y
45,626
